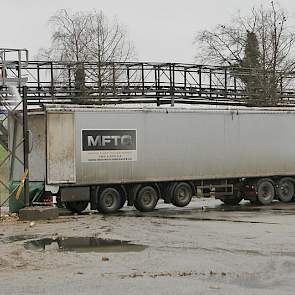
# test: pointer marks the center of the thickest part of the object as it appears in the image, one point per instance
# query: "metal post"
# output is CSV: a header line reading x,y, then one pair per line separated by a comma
x,y
185,90
114,79
225,83
235,87
38,80
26,147
210,82
200,81
70,79
281,87
157,75
142,79
19,68
171,78
128,79
52,79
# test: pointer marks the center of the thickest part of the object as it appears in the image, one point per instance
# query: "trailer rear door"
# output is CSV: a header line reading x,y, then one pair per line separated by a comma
x,y
60,148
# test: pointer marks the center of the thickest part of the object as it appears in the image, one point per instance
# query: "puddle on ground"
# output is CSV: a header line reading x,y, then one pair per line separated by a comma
x,y
238,208
83,244
17,238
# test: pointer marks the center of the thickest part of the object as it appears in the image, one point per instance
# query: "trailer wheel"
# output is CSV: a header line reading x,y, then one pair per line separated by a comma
x,y
109,200
123,201
146,199
265,191
77,206
123,194
182,194
168,192
233,200
254,201
286,189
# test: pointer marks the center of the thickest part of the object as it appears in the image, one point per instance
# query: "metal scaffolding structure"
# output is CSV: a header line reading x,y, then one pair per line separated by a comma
x,y
11,105
128,82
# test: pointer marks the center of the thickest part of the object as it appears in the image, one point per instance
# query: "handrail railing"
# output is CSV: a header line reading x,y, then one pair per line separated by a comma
x,y
49,81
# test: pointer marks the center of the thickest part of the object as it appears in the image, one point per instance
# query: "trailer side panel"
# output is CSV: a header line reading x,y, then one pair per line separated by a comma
x,y
177,145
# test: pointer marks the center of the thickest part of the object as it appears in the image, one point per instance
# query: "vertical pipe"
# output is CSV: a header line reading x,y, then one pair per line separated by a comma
x,y
19,69
26,147
13,149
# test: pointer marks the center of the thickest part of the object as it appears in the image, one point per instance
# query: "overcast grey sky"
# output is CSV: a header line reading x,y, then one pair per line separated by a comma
x,y
161,30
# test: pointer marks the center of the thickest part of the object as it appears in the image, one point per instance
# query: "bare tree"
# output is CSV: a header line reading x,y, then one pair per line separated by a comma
x,y
89,37
226,45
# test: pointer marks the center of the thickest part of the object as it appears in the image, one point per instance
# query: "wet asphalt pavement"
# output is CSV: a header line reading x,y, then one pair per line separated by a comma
x,y
205,248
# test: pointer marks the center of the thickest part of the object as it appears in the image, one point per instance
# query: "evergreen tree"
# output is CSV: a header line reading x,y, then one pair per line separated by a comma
x,y
251,69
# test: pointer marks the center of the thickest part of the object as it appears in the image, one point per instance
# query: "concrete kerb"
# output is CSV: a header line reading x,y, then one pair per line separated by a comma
x,y
38,213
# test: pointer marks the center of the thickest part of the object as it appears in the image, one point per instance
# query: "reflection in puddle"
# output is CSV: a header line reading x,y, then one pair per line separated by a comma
x,y
83,244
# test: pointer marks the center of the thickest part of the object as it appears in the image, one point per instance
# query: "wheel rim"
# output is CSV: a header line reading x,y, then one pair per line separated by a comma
x,y
147,197
265,192
182,193
109,198
286,190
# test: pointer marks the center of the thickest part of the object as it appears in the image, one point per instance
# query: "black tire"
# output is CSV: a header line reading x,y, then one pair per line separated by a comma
x,y
181,194
265,191
109,200
232,200
146,199
77,206
168,192
254,202
59,203
123,194
286,189
123,201
68,206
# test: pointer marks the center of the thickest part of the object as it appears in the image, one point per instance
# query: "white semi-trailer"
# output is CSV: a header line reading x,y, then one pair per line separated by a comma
x,y
105,156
